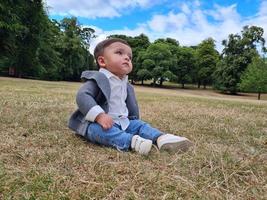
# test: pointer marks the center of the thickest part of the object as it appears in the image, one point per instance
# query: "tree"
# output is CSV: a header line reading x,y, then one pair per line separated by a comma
x,y
34,46
143,74
10,29
74,49
254,79
207,58
186,61
170,41
157,59
49,56
87,34
32,15
139,43
21,23
238,52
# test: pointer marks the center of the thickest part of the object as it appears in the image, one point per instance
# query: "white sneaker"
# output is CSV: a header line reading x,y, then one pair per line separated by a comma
x,y
141,145
173,143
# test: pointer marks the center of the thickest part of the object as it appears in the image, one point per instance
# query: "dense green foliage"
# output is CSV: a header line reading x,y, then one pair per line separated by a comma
x,y
254,79
165,59
207,58
237,54
34,46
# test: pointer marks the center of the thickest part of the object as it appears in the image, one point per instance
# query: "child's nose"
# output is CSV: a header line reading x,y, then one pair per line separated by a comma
x,y
127,58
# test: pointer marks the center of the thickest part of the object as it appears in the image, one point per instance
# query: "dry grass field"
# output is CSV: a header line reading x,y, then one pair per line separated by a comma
x,y
40,158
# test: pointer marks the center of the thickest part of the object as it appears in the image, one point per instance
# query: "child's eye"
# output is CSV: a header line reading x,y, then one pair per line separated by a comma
x,y
118,52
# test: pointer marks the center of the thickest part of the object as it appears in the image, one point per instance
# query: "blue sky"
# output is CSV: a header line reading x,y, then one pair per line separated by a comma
x,y
188,21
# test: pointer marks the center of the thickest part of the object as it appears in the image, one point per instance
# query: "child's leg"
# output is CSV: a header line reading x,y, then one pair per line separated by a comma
x,y
144,130
113,137
167,142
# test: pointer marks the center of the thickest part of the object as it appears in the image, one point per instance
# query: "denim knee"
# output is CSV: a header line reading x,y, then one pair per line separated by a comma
x,y
113,137
92,133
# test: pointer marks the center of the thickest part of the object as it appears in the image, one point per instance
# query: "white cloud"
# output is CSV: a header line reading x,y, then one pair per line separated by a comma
x,y
132,3
162,23
263,8
82,8
189,28
190,25
223,13
101,34
185,8
96,8
196,3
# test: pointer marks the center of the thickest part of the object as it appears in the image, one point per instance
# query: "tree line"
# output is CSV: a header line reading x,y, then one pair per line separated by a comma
x,y
239,67
33,46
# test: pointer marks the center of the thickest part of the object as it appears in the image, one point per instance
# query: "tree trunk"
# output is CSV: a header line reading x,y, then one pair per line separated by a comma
x,y
198,84
154,82
161,81
142,83
259,95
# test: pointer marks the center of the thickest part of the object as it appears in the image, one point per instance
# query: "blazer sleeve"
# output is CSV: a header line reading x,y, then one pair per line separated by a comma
x,y
86,96
131,103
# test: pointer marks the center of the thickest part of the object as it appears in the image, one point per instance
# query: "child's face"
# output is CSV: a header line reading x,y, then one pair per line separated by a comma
x,y
117,58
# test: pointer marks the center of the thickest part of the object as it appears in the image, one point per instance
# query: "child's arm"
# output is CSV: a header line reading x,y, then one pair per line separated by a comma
x,y
89,107
104,120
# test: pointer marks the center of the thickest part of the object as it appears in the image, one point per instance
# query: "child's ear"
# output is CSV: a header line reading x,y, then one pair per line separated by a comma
x,y
101,61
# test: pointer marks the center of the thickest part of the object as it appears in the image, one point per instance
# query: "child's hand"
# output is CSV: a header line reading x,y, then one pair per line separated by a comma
x,y
104,120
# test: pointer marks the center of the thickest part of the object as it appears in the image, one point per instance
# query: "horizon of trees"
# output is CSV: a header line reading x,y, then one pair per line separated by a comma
x,y
33,46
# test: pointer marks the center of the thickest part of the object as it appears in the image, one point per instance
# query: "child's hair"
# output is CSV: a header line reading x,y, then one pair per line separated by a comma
x,y
100,47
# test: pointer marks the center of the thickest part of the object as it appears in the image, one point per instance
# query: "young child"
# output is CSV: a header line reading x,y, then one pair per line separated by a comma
x,y
107,111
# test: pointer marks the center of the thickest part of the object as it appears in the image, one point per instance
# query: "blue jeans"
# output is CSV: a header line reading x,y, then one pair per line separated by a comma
x,y
118,138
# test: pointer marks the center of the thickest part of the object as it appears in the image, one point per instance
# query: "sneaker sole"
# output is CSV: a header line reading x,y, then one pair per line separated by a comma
x,y
181,146
146,150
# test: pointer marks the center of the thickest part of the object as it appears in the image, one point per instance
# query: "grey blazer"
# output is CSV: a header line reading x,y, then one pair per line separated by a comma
x,y
96,91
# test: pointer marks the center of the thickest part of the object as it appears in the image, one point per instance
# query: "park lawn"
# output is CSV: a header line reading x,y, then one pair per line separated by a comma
x,y
40,158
